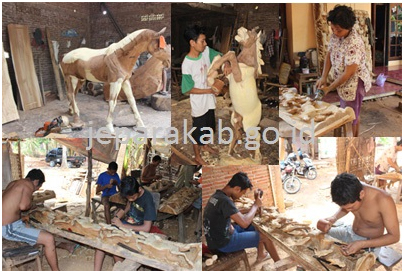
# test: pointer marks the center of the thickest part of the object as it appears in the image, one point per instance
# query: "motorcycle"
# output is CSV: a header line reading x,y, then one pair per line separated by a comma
x,y
291,184
307,169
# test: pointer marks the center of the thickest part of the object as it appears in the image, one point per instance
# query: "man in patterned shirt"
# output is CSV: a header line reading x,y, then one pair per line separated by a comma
x,y
346,54
194,81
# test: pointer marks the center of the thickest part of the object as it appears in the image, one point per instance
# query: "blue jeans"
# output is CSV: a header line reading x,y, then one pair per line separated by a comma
x,y
242,239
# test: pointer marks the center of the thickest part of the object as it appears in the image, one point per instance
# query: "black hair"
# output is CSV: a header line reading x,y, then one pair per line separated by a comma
x,y
343,16
345,189
156,158
192,33
113,166
129,186
241,180
399,143
36,174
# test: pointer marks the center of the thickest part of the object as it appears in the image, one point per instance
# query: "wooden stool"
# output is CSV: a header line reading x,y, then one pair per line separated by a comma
x,y
227,261
17,253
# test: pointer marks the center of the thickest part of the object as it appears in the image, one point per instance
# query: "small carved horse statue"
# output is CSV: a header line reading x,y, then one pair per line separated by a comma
x,y
245,68
112,65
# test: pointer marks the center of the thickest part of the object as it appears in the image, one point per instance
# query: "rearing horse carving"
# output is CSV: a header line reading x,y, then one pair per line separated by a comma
x,y
245,68
112,65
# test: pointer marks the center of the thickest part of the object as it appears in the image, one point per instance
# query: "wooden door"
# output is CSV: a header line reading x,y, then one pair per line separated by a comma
x,y
9,109
23,62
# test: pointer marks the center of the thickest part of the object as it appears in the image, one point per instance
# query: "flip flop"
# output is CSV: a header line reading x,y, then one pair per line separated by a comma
x,y
267,257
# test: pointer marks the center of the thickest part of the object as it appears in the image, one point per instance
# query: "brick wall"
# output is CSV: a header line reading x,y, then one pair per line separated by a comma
x,y
85,18
216,177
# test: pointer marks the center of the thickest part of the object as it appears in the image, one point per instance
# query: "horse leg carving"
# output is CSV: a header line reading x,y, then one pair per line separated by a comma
x,y
219,61
115,87
128,92
237,122
75,85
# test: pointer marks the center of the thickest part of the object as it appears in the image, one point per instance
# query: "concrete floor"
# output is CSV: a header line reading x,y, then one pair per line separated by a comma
x,y
93,110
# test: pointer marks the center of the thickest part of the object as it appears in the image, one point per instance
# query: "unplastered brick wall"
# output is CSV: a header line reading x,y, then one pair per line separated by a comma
x,y
85,19
129,17
58,17
265,16
216,177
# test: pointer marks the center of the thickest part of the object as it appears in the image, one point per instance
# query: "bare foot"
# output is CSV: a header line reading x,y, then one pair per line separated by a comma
x,y
209,149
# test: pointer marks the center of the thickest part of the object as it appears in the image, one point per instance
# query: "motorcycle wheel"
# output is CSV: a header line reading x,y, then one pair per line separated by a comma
x,y
311,174
292,185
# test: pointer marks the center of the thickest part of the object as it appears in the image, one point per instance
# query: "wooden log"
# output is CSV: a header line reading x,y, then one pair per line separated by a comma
x,y
55,66
126,265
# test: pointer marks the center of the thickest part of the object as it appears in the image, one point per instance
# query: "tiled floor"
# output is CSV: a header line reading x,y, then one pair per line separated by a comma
x,y
395,73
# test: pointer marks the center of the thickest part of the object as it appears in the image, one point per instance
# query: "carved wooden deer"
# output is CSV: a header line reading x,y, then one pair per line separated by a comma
x,y
112,65
243,89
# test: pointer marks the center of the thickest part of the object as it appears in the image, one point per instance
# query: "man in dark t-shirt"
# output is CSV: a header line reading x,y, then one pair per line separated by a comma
x,y
221,235
139,214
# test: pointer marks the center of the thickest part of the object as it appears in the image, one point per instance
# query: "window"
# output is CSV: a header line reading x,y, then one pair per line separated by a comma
x,y
395,31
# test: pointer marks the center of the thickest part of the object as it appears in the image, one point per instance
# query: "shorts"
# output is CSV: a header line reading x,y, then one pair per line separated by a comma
x,y
19,232
378,171
346,234
357,103
206,120
242,239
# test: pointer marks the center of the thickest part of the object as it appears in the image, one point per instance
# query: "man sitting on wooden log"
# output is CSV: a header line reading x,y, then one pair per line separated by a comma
x,y
149,172
139,214
374,211
221,235
107,182
17,197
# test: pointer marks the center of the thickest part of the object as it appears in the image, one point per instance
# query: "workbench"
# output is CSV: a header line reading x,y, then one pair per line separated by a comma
x,y
341,119
113,249
96,203
393,177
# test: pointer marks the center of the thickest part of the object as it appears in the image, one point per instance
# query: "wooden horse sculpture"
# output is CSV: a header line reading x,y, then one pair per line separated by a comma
x,y
245,68
111,65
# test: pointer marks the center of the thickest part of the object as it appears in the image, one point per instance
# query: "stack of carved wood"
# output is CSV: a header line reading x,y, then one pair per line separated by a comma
x,y
160,185
308,243
182,256
180,200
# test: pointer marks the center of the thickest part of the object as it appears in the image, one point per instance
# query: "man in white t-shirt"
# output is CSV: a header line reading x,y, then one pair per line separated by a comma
x,y
194,80
386,160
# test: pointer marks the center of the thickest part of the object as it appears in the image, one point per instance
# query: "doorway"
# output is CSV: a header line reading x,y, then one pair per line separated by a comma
x,y
380,25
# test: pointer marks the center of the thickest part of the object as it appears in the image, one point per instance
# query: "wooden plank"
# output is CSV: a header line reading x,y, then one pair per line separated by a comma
x,y
395,81
9,108
55,66
23,62
113,249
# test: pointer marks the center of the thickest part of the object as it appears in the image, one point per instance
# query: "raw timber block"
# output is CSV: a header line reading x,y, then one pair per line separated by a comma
x,y
126,265
228,261
161,102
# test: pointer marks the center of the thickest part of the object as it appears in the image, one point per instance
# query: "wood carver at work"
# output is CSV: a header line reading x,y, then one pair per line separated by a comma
x,y
17,197
243,89
111,65
374,211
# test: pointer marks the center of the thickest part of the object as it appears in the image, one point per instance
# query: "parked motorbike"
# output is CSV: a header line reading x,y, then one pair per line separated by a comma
x,y
291,184
307,169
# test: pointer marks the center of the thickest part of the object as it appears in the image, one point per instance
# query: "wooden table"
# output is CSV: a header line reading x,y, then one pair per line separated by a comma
x,y
341,119
113,249
300,257
303,79
393,177
96,203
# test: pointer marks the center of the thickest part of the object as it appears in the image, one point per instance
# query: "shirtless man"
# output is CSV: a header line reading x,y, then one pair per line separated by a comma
x,y
149,172
16,198
374,212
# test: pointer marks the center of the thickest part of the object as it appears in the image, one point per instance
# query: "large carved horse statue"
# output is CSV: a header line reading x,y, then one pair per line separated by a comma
x,y
245,68
111,65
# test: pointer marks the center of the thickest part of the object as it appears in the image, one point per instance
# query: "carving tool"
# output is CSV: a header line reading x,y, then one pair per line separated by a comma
x,y
129,248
